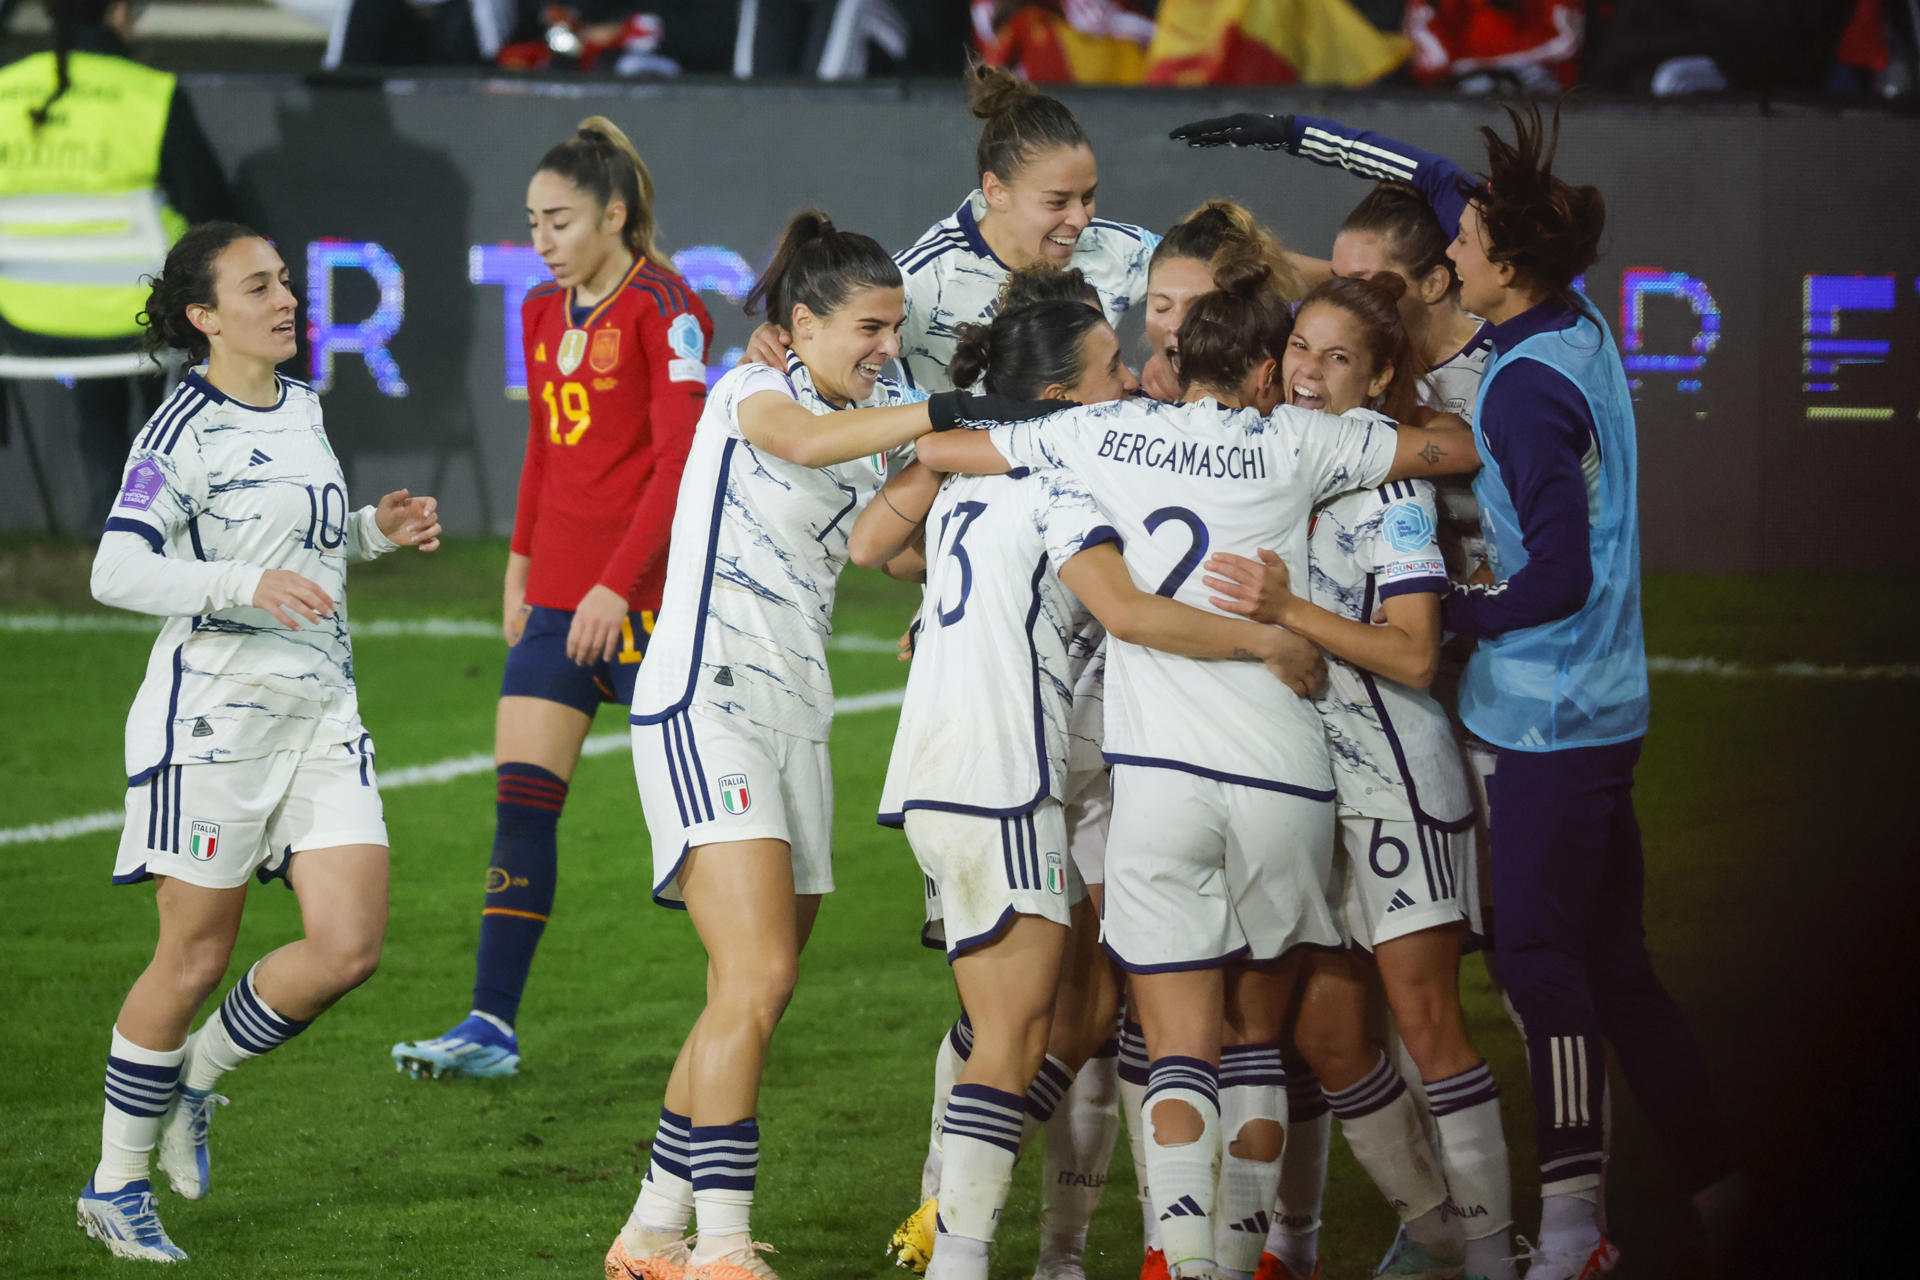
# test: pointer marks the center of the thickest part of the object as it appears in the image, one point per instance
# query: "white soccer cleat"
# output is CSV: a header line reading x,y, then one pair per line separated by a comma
x,y
183,1141
1583,1265
126,1222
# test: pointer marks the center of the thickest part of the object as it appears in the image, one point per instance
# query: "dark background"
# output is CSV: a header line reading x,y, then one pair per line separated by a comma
x,y
1744,467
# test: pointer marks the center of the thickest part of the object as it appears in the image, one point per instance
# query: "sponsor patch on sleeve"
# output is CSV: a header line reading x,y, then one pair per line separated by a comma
x,y
1408,527
143,485
685,338
686,371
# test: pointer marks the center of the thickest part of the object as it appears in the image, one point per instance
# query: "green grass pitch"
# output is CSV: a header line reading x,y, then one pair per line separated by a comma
x,y
1762,798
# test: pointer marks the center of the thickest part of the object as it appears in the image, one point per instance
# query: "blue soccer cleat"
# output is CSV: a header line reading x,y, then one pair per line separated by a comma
x,y
1408,1260
479,1047
183,1141
127,1223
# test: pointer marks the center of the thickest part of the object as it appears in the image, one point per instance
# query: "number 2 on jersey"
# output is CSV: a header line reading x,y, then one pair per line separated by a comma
x,y
572,401
1194,554
968,513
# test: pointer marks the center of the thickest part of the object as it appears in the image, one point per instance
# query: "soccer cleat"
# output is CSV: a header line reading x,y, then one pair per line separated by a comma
x,y
183,1141
127,1223
1542,1265
475,1048
1153,1266
640,1254
744,1263
1271,1268
1410,1261
911,1245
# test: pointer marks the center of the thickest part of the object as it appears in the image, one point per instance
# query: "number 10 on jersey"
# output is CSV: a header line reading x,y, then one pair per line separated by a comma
x,y
570,405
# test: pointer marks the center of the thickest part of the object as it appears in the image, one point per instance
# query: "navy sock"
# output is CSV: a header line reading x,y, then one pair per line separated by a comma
x,y
520,882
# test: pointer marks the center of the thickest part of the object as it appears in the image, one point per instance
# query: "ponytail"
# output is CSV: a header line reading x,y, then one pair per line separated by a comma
x,y
1021,122
601,160
1243,321
817,265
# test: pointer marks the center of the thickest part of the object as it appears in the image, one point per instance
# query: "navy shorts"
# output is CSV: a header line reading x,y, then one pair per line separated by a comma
x,y
538,666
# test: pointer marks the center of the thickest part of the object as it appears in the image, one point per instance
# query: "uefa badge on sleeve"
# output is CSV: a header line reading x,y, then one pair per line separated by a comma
x,y
204,840
734,796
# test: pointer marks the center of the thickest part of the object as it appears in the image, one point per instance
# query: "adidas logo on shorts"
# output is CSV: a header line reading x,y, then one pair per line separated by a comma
x,y
1400,899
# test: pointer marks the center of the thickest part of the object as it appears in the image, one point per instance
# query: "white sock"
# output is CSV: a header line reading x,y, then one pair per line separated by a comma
x,y
981,1142
1473,1155
1570,1223
1294,1237
140,1087
1080,1139
1182,1177
243,1027
725,1161
1133,1096
1383,1132
1250,1090
954,1048
665,1202
957,1258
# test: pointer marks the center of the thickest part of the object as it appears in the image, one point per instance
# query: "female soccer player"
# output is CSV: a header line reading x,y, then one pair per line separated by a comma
x,y
1405,810
616,377
245,752
1014,561
1557,682
1220,852
732,708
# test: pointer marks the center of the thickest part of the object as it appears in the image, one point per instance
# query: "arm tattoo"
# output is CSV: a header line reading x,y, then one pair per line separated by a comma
x,y
1431,455
1246,655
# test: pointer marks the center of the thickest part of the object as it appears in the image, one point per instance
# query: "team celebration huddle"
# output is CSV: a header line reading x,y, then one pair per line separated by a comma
x,y
1256,677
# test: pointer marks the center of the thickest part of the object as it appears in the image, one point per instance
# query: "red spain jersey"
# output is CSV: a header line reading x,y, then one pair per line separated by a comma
x,y
613,393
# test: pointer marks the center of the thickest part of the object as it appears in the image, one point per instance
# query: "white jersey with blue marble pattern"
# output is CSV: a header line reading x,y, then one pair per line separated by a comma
x,y
758,546
1179,481
1393,747
211,479
1454,387
984,728
954,278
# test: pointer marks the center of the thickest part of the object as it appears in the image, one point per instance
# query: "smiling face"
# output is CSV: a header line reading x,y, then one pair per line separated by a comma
x,y
253,304
1329,367
1104,375
1038,215
847,350
572,232
1484,285
1172,286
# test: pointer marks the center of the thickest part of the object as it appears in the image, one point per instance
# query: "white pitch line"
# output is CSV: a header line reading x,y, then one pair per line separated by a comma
x,y
853,642
413,775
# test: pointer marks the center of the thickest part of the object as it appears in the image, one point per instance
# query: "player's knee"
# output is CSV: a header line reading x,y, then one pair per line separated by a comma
x,y
195,968
1333,1053
350,961
1259,1140
758,990
1175,1123
1430,1026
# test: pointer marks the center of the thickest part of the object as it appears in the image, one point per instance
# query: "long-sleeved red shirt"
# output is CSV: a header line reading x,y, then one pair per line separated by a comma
x,y
613,393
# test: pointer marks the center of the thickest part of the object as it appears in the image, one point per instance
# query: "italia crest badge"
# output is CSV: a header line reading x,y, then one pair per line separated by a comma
x,y
1056,874
734,796
204,840
573,349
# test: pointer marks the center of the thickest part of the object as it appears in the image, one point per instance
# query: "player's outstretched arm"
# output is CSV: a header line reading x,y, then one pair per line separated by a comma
x,y
1361,152
888,525
1405,647
1099,577
1424,452
778,424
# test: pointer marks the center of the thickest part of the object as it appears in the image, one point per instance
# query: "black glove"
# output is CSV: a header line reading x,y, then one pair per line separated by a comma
x,y
950,409
1243,130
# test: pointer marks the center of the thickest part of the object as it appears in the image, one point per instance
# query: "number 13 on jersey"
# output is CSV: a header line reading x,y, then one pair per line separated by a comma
x,y
571,405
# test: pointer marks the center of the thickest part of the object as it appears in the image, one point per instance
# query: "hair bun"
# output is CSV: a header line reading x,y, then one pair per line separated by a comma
x,y
1243,271
972,353
994,91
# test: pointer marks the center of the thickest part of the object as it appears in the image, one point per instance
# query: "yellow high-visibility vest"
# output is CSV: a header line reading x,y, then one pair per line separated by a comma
x,y
82,217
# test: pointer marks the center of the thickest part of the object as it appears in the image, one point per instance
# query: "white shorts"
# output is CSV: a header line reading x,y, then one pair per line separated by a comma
x,y
1089,812
215,825
707,778
1402,877
988,870
1202,872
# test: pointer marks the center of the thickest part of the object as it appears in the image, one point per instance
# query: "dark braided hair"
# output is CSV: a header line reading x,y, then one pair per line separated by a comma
x,y
186,280
68,18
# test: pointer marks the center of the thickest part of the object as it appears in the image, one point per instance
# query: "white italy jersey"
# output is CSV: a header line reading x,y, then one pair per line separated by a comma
x,y
1454,387
758,545
954,278
211,479
984,729
1393,749
1179,481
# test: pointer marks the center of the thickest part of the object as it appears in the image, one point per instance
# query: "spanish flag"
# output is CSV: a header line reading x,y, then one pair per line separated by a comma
x,y
1044,45
1323,42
